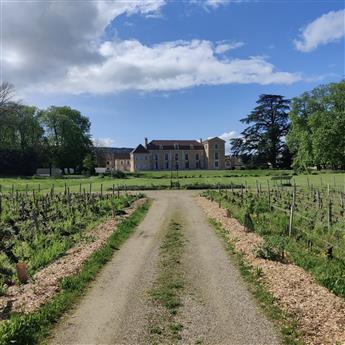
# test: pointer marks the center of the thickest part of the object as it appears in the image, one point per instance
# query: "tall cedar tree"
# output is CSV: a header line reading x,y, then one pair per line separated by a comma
x,y
264,139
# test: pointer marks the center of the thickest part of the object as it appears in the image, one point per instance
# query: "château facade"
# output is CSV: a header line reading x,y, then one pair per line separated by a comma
x,y
178,155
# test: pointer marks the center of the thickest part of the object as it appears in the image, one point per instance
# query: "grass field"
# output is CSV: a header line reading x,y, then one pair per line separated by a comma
x,y
161,178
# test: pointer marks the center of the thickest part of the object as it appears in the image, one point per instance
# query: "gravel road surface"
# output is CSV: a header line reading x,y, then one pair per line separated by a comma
x,y
217,307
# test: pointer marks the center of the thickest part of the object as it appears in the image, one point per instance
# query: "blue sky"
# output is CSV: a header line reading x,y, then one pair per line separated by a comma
x,y
128,84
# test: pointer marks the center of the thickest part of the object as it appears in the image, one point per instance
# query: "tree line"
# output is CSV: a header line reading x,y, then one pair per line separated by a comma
x,y
307,131
31,137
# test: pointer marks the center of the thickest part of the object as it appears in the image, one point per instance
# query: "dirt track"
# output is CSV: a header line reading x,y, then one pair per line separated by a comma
x,y
217,308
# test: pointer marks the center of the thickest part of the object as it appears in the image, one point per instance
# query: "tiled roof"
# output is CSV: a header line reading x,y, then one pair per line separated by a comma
x,y
140,149
170,144
114,152
214,138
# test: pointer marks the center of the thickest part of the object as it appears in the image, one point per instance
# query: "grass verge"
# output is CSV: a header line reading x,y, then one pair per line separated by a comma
x,y
167,290
30,329
253,276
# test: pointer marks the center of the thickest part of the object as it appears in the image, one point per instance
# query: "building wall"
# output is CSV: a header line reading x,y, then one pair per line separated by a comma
x,y
140,162
211,157
122,164
215,154
184,159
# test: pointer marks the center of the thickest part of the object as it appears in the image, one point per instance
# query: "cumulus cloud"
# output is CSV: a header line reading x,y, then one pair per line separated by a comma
x,y
328,28
56,47
103,142
130,65
224,46
43,39
227,136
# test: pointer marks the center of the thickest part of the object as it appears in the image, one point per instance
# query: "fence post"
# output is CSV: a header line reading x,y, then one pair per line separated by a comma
x,y
291,213
329,214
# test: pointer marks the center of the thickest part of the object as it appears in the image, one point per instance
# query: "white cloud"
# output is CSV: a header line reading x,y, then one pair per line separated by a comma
x,y
130,65
43,39
103,142
227,136
328,28
56,47
223,46
218,3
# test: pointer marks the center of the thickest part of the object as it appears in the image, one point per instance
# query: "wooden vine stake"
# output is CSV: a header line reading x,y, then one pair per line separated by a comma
x,y
330,220
292,209
22,272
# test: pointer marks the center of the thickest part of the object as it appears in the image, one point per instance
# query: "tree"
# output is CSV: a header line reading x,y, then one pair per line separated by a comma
x,y
317,135
263,141
68,134
89,164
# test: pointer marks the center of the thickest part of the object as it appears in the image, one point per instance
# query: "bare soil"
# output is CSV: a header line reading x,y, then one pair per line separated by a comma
x,y
217,308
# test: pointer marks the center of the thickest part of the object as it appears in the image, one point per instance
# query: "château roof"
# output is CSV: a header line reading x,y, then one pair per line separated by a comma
x,y
140,149
170,144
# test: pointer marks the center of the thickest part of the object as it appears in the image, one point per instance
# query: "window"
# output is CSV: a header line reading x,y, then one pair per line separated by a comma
x,y
216,164
186,156
107,163
216,155
156,157
161,147
176,146
156,165
216,146
166,165
197,156
191,147
167,156
176,156
121,162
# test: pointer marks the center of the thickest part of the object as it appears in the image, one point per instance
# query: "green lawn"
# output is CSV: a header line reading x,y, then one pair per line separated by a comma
x,y
162,178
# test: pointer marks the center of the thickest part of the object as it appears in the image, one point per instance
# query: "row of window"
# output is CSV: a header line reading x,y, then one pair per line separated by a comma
x,y
176,165
186,157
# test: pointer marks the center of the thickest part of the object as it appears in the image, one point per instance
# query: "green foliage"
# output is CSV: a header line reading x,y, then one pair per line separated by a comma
x,y
317,136
29,329
307,245
263,139
68,134
38,229
89,164
272,248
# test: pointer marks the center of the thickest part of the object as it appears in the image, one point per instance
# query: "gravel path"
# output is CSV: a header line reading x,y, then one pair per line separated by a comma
x,y
217,309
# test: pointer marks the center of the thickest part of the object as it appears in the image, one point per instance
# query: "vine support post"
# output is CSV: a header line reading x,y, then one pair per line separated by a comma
x,y
292,209
330,220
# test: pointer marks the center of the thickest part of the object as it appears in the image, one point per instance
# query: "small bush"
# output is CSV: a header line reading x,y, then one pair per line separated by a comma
x,y
271,249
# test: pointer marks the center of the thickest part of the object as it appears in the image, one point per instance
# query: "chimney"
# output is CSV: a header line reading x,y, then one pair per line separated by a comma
x,y
201,140
146,142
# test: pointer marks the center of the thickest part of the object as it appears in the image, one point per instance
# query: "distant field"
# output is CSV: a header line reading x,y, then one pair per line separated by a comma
x,y
162,178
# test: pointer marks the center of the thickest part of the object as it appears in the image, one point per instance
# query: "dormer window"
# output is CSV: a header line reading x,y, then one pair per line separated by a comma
x,y
176,146
191,147
161,147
